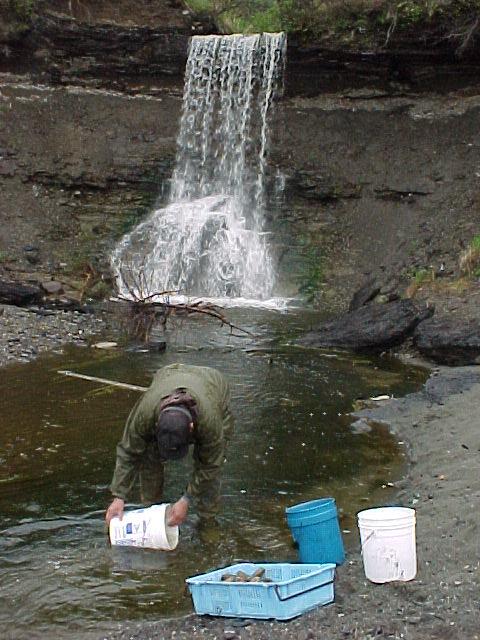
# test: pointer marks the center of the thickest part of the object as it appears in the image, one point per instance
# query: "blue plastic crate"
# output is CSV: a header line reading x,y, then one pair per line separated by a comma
x,y
295,588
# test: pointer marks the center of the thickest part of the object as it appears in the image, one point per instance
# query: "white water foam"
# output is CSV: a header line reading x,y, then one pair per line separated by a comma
x,y
210,240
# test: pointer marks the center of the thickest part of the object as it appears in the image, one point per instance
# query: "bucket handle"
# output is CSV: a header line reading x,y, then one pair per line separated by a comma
x,y
300,593
369,537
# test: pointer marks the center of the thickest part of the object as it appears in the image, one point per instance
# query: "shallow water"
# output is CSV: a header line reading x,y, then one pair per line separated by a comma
x,y
293,442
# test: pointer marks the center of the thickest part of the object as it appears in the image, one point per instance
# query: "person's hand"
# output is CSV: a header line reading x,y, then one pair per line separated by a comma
x,y
177,513
115,510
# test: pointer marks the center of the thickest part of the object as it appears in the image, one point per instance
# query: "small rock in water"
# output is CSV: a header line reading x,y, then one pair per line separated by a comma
x,y
105,345
360,426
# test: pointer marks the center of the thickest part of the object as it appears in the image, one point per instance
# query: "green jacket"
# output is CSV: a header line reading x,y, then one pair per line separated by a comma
x,y
211,392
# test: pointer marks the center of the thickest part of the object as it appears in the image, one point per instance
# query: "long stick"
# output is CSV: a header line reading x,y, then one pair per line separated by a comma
x,y
113,383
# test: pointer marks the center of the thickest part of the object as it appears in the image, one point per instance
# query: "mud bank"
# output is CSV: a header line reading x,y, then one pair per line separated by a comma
x,y
443,485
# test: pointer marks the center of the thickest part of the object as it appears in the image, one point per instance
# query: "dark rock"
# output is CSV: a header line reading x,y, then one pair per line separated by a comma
x,y
374,327
19,294
96,48
449,342
366,293
156,345
151,345
241,622
312,186
407,196
31,254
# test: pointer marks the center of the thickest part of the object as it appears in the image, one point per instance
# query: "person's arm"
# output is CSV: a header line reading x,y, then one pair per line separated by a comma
x,y
130,450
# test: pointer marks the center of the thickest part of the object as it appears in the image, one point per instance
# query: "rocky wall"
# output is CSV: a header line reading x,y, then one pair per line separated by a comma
x,y
382,186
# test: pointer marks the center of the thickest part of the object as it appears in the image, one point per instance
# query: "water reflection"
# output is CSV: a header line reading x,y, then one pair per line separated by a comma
x,y
293,442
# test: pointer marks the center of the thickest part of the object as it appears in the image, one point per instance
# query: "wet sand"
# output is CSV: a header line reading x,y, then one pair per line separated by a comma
x,y
441,430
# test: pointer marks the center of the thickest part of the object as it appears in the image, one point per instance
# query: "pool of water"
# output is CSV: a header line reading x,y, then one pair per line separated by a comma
x,y
293,441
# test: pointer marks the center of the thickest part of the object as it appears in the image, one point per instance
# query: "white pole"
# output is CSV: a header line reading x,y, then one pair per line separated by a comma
x,y
113,383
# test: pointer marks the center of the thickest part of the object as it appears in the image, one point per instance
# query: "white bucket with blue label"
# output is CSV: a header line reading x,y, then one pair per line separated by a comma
x,y
145,528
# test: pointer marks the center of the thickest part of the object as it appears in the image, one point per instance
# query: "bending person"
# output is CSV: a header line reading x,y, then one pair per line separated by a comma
x,y
185,405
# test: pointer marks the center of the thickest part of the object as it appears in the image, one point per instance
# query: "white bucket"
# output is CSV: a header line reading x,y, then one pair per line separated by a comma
x,y
144,528
387,536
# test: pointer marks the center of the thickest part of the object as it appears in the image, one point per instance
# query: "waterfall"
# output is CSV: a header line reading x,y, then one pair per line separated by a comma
x,y
209,240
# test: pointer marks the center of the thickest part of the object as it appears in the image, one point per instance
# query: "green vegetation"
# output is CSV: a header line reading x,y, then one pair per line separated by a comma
x,y
23,9
312,277
470,258
355,22
247,16
475,244
418,278
4,257
422,275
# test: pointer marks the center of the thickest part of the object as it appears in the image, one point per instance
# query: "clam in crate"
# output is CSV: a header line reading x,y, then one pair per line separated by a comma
x,y
283,591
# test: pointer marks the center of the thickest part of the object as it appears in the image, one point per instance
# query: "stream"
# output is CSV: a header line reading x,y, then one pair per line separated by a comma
x,y
293,441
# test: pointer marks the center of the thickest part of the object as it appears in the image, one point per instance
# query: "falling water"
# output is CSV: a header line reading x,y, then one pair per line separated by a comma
x,y
209,240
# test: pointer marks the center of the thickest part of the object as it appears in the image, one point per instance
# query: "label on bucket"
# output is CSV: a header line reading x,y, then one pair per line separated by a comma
x,y
144,528
131,533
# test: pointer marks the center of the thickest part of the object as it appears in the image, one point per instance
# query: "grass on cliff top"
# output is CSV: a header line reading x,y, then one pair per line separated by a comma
x,y
374,21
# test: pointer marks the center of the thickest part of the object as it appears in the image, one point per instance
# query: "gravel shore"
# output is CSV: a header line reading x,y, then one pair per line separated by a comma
x,y
27,332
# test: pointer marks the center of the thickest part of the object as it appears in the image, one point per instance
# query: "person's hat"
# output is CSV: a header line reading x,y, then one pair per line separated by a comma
x,y
173,432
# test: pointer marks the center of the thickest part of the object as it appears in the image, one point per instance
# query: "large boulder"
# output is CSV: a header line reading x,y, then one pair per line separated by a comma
x,y
371,328
448,341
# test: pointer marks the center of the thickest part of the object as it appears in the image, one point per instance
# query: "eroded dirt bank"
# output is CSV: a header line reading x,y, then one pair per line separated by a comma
x,y
383,185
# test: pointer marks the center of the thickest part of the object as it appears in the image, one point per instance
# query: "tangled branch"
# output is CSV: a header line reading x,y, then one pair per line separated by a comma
x,y
147,309
467,35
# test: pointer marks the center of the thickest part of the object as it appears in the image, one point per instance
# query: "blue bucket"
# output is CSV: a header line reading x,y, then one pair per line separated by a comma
x,y
315,528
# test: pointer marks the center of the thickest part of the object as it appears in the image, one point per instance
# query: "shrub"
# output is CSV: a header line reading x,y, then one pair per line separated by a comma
x,y
418,277
23,9
470,258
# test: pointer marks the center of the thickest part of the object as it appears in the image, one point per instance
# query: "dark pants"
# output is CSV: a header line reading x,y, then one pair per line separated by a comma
x,y
151,477
152,480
